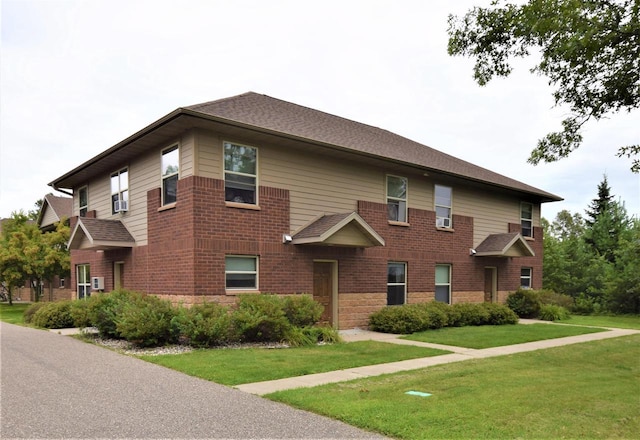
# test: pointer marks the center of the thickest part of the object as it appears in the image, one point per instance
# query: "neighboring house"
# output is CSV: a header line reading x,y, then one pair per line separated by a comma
x,y
55,209
255,194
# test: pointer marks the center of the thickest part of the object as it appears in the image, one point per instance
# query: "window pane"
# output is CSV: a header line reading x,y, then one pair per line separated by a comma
x,y
397,187
527,211
443,195
170,189
240,189
442,294
443,212
395,295
239,159
395,273
83,197
241,280
170,162
115,185
240,264
124,180
442,274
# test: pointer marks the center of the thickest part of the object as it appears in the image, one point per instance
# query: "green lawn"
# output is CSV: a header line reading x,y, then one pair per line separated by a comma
x,y
13,314
497,335
238,366
587,390
619,321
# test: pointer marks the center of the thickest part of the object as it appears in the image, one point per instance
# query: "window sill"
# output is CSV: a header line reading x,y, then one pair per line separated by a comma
x,y
445,229
396,223
167,207
529,238
235,292
242,206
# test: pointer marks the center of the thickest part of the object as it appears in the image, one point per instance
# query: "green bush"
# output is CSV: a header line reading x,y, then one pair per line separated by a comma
x,y
586,305
469,314
106,308
556,299
500,314
302,310
525,302
147,321
205,325
80,313
261,318
550,312
403,320
31,310
53,315
436,314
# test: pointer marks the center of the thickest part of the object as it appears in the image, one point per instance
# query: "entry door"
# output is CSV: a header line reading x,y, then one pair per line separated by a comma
x,y
323,289
490,284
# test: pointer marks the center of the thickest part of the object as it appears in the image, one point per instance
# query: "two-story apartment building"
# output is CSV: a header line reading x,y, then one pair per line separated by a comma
x,y
253,194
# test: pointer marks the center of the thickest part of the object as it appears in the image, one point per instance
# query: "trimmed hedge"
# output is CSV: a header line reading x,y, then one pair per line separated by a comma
x,y
412,318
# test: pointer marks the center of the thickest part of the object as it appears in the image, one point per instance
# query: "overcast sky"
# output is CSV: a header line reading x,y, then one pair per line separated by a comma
x,y
79,76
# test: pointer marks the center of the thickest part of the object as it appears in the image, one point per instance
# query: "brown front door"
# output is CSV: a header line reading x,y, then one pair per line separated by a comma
x,y
490,284
323,289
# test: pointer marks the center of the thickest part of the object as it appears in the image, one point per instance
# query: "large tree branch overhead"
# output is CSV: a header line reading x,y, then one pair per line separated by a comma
x,y
590,52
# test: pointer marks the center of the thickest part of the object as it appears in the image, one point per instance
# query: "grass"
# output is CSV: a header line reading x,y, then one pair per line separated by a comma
x,y
13,314
587,390
238,366
619,321
487,336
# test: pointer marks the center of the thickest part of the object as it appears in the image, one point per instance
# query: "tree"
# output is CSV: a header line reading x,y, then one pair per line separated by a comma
x,y
28,254
590,51
601,204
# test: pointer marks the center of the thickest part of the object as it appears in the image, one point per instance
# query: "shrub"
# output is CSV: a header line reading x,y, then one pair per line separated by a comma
x,y
470,314
260,318
205,325
556,299
586,305
147,321
500,314
80,313
550,312
436,314
301,336
53,315
525,302
31,310
402,320
106,308
302,310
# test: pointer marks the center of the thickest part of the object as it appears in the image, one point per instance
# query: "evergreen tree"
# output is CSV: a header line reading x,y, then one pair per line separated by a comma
x,y
601,204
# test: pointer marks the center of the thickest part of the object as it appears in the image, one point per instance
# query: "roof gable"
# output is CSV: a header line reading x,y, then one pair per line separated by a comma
x,y
346,229
504,245
53,210
100,234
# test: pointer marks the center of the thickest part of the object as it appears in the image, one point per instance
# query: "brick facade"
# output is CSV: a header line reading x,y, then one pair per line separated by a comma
x,y
184,259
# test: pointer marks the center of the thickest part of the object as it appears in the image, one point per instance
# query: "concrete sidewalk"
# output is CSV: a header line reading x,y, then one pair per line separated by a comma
x,y
458,354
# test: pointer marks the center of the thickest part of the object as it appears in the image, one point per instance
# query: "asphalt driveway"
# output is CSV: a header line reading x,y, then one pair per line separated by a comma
x,y
55,386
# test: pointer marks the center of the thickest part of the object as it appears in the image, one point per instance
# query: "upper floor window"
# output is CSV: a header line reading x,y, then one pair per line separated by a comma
x,y
443,283
443,206
397,198
526,219
83,201
120,191
240,173
170,170
241,272
525,277
396,283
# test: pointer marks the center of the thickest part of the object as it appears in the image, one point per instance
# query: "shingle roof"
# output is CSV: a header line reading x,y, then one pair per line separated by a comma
x,y
62,207
101,234
326,230
284,117
504,245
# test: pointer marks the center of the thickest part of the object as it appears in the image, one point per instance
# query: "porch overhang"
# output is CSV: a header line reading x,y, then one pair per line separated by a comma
x,y
346,230
504,245
98,234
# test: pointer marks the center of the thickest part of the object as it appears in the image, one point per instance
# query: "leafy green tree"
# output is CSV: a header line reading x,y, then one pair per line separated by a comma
x,y
589,51
624,285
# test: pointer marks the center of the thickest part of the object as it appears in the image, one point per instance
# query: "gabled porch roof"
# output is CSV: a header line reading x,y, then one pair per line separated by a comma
x,y
100,234
346,229
504,245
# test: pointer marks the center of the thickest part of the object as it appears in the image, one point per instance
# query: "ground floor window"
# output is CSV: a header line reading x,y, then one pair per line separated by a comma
x,y
396,283
443,283
84,281
241,272
525,278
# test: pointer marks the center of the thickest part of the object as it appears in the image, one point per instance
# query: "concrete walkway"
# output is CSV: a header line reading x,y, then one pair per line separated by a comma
x,y
458,354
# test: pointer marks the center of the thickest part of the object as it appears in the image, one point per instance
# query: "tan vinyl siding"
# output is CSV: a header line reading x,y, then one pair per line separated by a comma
x,y
49,217
209,147
187,154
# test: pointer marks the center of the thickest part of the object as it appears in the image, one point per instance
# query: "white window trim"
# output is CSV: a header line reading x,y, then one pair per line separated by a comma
x,y
120,190
522,219
405,200
86,207
404,300
529,277
86,284
255,176
448,284
169,149
256,273
449,207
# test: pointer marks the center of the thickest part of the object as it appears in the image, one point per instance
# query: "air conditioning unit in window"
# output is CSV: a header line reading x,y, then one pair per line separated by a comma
x,y
97,283
442,222
121,206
